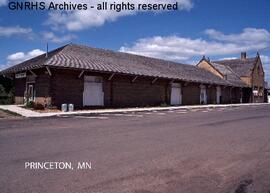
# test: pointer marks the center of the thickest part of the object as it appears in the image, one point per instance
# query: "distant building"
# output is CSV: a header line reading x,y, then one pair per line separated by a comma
x,y
268,95
90,77
245,72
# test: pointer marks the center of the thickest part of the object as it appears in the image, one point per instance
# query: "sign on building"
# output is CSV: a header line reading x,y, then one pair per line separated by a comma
x,y
20,75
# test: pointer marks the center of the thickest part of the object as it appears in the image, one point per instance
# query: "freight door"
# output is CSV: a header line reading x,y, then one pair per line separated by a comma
x,y
93,91
218,95
176,94
203,95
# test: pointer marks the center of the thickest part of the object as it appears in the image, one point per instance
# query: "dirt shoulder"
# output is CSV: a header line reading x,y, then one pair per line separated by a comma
x,y
4,114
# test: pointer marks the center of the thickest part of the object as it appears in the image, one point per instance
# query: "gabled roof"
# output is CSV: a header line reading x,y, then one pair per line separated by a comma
x,y
243,67
34,63
93,59
229,74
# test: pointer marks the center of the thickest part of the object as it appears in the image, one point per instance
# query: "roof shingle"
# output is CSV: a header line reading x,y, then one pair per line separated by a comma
x,y
229,74
93,59
243,67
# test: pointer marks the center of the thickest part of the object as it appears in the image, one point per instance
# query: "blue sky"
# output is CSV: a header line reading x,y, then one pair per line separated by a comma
x,y
217,29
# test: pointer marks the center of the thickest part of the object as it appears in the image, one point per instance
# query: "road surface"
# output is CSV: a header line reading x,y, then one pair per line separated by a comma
x,y
222,150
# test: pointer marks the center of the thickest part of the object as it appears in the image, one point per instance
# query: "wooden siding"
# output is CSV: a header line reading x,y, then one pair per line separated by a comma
x,y
139,93
225,95
191,94
66,87
42,84
19,87
211,95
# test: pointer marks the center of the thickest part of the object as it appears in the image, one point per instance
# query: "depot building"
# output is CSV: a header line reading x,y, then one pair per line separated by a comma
x,y
90,77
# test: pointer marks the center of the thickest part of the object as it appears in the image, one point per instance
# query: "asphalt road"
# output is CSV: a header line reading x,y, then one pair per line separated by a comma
x,y
225,150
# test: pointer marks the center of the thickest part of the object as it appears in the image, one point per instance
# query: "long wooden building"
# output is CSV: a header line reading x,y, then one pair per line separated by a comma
x,y
91,77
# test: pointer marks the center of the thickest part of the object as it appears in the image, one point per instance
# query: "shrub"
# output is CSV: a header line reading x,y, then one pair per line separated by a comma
x,y
2,90
6,98
164,105
38,106
6,91
30,104
11,96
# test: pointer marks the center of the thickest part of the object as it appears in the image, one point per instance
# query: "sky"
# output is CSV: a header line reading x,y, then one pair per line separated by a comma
x,y
216,29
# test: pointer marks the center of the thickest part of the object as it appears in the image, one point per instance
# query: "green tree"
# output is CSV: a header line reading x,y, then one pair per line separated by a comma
x,y
6,90
2,90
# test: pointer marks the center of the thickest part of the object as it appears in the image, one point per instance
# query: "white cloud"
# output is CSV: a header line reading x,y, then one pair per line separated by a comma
x,y
265,59
249,35
51,37
19,57
180,48
79,20
3,2
14,31
228,58
266,66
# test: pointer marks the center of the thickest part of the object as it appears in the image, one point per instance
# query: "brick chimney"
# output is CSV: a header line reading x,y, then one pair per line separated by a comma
x,y
243,55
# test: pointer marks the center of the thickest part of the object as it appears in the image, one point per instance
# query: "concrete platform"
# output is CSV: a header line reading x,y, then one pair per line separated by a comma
x,y
29,113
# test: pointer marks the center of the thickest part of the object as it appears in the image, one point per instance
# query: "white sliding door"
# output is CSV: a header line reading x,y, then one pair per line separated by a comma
x,y
176,94
93,91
